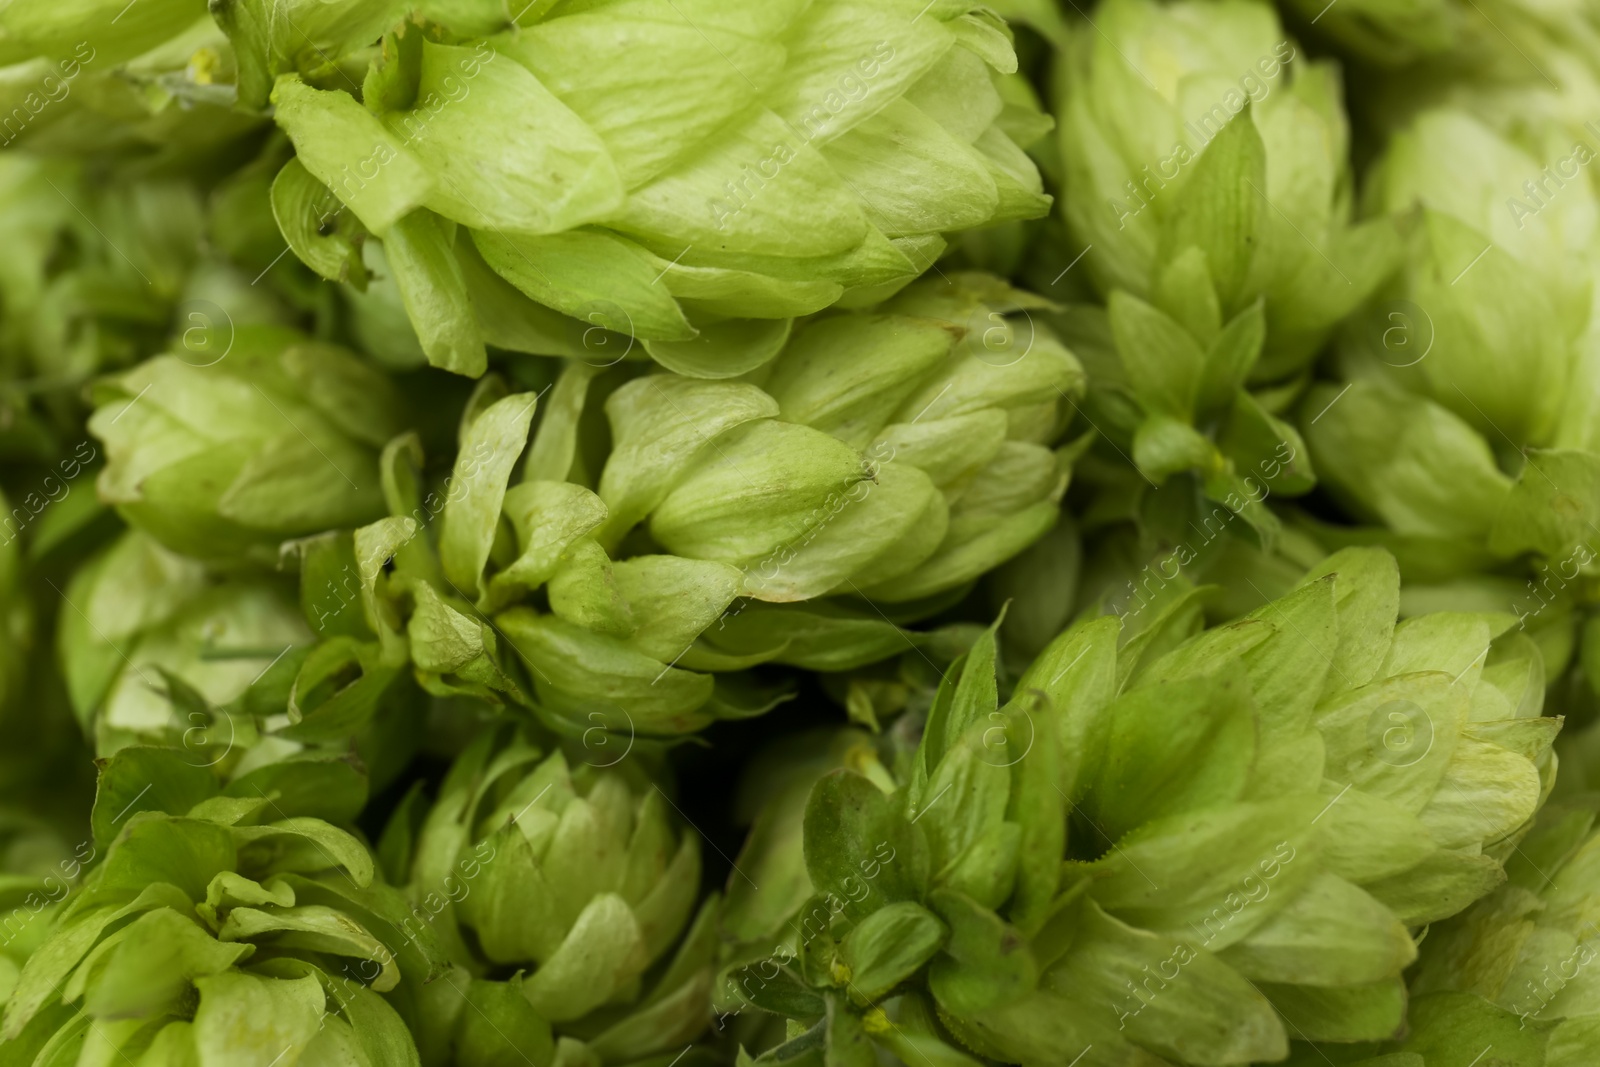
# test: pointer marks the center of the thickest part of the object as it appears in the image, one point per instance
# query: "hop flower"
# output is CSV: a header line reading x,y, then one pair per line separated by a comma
x,y
894,456
686,175
224,455
222,927
1205,168
1449,36
1515,971
1463,430
580,875
1252,816
156,649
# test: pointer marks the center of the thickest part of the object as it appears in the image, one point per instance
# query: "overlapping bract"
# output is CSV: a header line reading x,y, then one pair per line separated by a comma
x,y
227,458
1205,166
155,649
1205,184
894,456
1530,948
690,175
222,927
1252,817
1514,973
582,880
1464,431
1166,844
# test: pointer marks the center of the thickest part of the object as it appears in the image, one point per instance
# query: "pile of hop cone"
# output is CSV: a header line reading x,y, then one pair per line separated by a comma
x,y
803,533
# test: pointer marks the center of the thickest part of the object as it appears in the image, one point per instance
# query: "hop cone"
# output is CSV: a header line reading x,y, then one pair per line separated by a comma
x,y
691,175
1514,973
1529,948
104,269
156,649
1204,165
582,880
1454,34
894,456
1252,817
1478,365
221,928
224,455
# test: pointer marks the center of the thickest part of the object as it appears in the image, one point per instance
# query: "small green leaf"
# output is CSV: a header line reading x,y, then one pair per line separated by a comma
x,y
348,150
489,449
501,1028
420,250
584,592
602,952
324,236
302,845
244,1020
659,423
1231,356
155,958
143,778
771,987
1222,206
1551,508
987,962
859,847
595,277
888,946
1173,747
1452,1026
547,173
1163,360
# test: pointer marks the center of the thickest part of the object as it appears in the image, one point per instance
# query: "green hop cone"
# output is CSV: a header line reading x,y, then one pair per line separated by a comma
x,y
935,416
1390,34
1254,817
578,877
220,928
1452,35
952,394
106,268
1513,974
689,175
155,649
1537,264
223,456
1496,276
1205,169
138,615
1171,396
1464,431
1530,949
894,456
